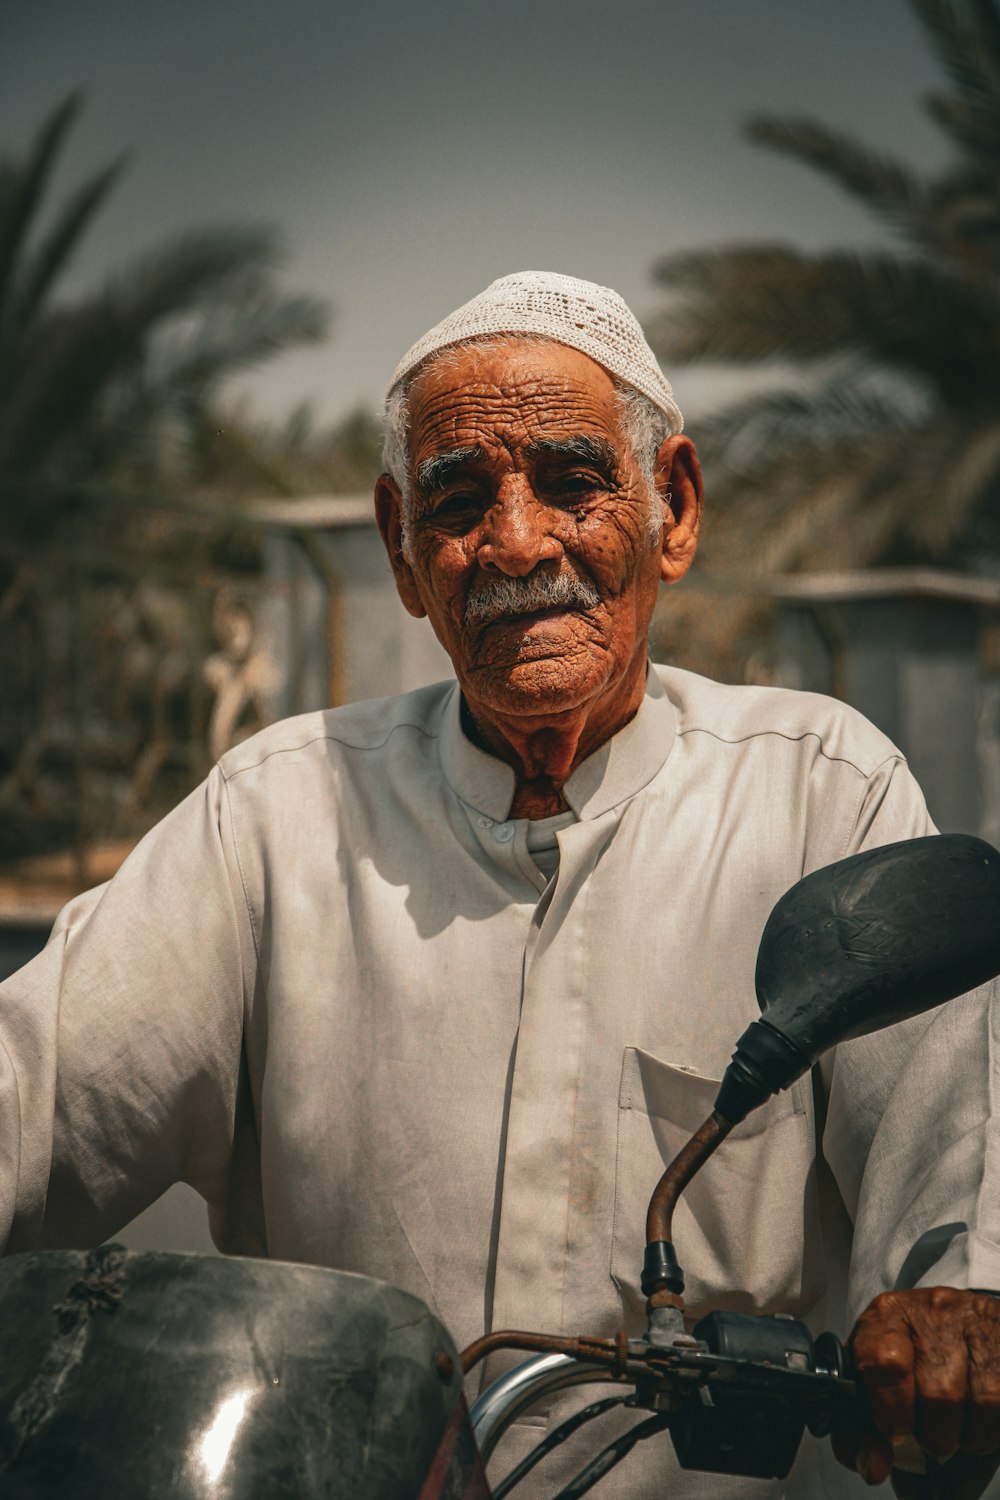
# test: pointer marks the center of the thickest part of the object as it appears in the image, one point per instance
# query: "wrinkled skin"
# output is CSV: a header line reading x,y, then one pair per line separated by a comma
x,y
543,689
930,1363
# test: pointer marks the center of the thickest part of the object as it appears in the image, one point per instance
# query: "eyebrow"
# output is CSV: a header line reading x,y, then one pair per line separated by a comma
x,y
588,450
435,471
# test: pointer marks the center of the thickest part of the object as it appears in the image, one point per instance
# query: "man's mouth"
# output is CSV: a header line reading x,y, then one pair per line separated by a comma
x,y
539,596
529,616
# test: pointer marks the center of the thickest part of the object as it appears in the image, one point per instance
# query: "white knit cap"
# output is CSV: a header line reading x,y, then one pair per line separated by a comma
x,y
588,317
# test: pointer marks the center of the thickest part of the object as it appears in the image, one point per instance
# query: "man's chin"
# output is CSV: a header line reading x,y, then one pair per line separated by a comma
x,y
535,685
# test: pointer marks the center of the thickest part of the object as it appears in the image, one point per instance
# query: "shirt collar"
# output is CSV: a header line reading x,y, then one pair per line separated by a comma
x,y
616,771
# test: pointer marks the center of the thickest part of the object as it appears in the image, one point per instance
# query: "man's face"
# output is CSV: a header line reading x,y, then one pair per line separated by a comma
x,y
529,540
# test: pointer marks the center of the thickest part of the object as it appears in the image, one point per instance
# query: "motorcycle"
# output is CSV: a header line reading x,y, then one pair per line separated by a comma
x,y
175,1376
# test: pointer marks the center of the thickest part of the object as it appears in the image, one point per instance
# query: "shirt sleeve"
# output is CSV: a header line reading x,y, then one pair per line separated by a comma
x,y
911,1133
121,1043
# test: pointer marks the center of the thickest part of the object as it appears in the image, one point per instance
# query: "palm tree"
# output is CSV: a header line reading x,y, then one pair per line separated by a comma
x,y
108,402
120,380
886,448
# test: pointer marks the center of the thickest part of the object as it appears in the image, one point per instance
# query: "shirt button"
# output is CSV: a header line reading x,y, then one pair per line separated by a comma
x,y
485,823
503,833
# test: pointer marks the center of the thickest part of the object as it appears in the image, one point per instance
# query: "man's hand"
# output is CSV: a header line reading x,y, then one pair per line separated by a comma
x,y
929,1361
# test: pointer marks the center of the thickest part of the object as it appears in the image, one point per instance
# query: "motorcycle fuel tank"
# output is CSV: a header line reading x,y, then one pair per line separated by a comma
x,y
183,1377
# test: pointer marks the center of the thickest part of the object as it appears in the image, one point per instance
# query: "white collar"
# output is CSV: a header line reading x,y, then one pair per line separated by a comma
x,y
616,771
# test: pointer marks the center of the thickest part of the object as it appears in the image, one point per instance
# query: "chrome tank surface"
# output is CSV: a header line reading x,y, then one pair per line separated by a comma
x,y
182,1377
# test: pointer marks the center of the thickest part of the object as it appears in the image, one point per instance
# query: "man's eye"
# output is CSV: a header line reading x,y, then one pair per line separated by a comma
x,y
578,486
453,507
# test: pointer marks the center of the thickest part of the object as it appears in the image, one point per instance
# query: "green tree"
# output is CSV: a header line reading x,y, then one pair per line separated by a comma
x,y
884,447
109,405
116,385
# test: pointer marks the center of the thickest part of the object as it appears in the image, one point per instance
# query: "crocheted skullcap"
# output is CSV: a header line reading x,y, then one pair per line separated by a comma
x,y
588,317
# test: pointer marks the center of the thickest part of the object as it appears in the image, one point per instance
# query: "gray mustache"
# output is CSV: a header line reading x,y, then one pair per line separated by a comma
x,y
519,596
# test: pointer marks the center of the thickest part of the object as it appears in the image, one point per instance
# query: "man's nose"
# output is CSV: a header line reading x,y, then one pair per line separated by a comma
x,y
517,533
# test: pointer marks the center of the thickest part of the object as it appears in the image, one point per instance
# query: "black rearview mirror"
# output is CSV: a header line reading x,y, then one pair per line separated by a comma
x,y
860,945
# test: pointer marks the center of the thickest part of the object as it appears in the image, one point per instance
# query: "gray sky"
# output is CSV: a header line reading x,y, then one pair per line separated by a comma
x,y
411,153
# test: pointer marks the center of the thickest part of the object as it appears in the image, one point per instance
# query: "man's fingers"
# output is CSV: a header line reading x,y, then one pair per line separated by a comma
x,y
928,1362
864,1453
848,1434
858,1446
884,1358
874,1460
981,1433
941,1377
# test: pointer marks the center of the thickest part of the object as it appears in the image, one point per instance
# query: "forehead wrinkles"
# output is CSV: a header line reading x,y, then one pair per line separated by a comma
x,y
509,414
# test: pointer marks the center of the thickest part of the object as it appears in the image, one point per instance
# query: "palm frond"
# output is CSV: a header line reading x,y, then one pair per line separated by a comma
x,y
60,383
973,128
965,34
86,389
702,270
885,186
907,315
985,22
966,205
960,482
238,335
48,260
908,494
888,447
124,381
840,408
795,508
188,271
23,185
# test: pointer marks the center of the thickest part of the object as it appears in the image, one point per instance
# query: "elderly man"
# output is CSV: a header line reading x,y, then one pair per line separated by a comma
x,y
429,987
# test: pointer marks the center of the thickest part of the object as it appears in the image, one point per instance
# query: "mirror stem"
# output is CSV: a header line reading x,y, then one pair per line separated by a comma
x,y
661,1272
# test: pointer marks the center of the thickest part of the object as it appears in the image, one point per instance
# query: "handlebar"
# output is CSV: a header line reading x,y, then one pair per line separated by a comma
x,y
504,1401
736,1394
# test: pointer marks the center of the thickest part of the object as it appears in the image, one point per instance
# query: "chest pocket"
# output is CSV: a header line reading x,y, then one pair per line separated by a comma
x,y
746,1230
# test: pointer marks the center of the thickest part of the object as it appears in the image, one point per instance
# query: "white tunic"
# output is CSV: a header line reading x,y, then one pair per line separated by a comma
x,y
334,993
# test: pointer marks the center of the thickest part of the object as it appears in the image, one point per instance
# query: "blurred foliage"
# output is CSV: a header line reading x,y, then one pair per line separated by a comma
x,y
119,457
103,632
242,456
115,385
883,447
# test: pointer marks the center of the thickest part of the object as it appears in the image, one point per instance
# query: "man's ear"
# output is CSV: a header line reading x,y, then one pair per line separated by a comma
x,y
389,518
678,480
